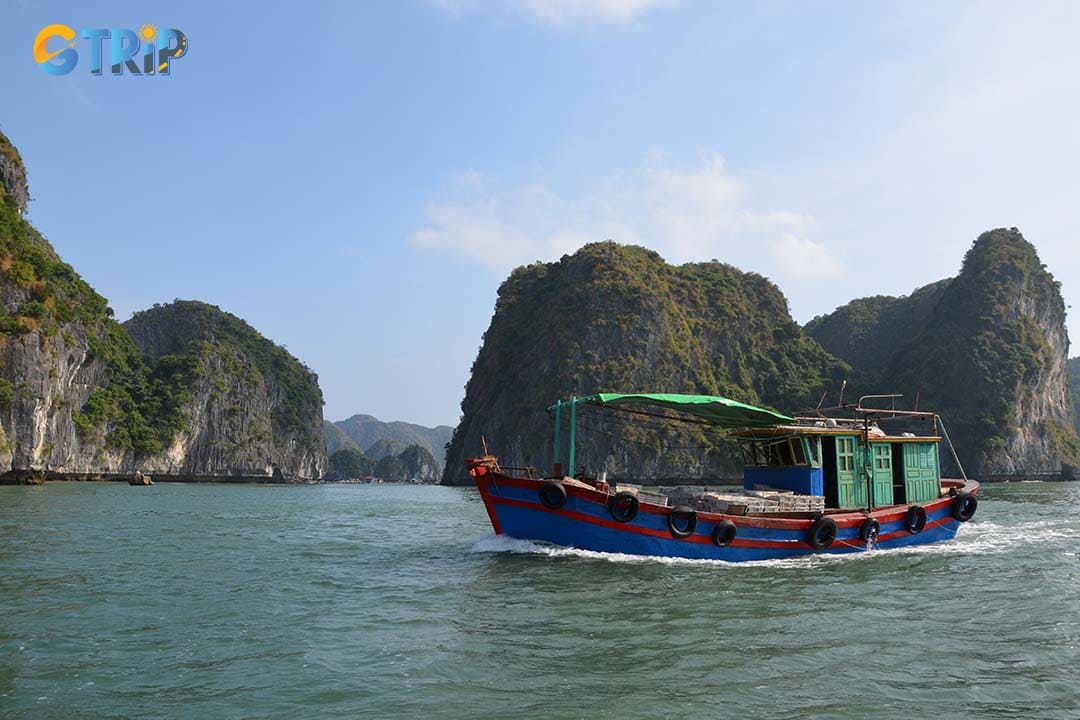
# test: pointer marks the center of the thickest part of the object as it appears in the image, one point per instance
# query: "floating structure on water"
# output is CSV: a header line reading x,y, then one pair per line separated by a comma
x,y
819,483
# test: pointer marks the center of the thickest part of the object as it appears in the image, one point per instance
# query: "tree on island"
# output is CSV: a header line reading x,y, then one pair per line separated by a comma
x,y
349,464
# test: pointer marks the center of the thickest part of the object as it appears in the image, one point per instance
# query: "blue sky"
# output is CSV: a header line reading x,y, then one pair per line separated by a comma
x,y
355,179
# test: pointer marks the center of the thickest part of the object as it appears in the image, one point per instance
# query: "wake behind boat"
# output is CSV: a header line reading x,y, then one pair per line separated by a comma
x,y
811,484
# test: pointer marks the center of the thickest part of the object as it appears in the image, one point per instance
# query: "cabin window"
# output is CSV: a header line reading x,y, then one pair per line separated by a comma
x,y
760,457
845,454
749,454
797,452
753,454
882,457
787,452
815,450
784,451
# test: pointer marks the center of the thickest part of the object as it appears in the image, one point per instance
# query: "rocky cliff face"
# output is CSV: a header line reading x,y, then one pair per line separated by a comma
x,y
78,398
618,318
45,377
13,176
253,410
987,349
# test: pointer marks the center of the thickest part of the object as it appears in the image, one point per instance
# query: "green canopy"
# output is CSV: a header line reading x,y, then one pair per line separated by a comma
x,y
715,410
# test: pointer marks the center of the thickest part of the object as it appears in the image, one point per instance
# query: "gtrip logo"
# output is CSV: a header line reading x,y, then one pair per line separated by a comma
x,y
146,52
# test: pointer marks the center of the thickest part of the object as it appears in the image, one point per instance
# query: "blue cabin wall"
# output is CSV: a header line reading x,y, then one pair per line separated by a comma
x,y
804,480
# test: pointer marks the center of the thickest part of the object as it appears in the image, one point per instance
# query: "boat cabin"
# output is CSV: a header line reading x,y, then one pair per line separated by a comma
x,y
813,460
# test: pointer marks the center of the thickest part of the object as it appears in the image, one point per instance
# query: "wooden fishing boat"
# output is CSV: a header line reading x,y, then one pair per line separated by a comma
x,y
811,484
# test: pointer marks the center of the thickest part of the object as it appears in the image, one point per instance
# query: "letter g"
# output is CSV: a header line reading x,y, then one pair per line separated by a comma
x,y
68,57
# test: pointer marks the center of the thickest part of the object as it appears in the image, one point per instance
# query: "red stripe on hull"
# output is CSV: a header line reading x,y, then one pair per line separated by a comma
x,y
487,498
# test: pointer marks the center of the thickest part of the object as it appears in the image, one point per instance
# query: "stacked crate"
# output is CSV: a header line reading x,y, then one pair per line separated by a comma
x,y
750,501
787,501
642,496
731,504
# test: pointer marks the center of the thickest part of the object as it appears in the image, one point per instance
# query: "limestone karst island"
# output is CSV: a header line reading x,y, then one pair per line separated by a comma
x,y
539,359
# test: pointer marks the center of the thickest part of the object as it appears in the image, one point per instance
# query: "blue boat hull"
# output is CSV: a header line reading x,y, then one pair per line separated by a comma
x,y
585,522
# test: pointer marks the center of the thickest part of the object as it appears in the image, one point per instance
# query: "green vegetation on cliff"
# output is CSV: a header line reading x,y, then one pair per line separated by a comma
x,y
186,338
349,464
336,439
411,464
142,407
865,329
615,318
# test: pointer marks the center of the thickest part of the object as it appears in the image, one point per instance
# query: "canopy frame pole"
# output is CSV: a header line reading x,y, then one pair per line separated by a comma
x,y
558,429
573,431
952,450
867,463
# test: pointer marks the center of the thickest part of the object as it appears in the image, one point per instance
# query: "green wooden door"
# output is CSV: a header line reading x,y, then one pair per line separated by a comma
x,y
851,489
881,459
921,477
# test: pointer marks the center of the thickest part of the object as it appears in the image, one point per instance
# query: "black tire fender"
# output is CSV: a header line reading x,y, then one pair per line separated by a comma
x,y
623,506
822,533
869,530
685,529
964,506
552,495
724,533
915,519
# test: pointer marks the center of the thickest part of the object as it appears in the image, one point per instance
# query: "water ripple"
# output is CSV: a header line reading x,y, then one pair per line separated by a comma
x,y
396,602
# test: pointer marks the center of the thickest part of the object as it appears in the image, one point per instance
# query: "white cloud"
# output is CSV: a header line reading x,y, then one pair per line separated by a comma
x,y
802,259
569,14
693,214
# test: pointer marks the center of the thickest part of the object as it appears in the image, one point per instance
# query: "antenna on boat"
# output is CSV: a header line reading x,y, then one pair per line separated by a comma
x,y
821,402
483,444
842,386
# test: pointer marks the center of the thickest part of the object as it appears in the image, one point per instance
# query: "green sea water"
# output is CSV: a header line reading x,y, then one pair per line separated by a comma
x,y
217,601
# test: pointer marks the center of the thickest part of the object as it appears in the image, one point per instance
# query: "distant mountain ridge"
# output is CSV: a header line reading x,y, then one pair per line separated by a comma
x,y
336,439
362,432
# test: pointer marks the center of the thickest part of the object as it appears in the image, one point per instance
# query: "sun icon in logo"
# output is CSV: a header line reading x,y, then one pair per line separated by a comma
x,y
148,33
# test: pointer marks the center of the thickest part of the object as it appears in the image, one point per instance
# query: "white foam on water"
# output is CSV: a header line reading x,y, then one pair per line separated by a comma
x,y
503,543
984,538
990,538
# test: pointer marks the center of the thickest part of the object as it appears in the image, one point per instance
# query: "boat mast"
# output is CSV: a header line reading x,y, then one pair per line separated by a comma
x,y
573,403
868,463
558,431
573,431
